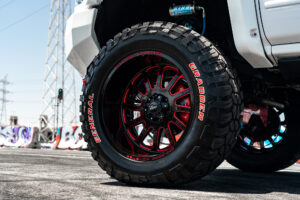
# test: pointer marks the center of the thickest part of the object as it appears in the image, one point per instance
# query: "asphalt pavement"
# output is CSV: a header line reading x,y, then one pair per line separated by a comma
x,y
54,174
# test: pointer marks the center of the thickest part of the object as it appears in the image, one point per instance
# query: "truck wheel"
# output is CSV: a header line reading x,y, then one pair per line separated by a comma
x,y
160,106
269,139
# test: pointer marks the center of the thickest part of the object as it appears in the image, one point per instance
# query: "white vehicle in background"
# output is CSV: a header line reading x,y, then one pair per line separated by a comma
x,y
172,88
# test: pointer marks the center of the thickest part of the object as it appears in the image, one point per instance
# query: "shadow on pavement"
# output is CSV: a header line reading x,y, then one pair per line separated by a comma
x,y
236,181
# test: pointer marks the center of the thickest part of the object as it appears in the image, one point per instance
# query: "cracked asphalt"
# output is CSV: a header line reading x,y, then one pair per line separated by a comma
x,y
49,174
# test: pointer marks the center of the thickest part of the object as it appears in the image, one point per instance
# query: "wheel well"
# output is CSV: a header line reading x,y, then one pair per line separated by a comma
x,y
115,15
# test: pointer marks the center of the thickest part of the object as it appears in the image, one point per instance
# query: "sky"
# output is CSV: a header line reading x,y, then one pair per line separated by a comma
x,y
23,50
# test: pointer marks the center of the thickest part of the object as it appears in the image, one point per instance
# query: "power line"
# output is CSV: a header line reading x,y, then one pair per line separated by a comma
x,y
7,4
24,18
27,102
29,80
26,91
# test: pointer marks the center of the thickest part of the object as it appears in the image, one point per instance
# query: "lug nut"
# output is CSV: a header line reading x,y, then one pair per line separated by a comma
x,y
164,105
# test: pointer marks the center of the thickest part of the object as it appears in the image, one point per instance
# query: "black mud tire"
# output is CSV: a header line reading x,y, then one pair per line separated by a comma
x,y
207,143
283,156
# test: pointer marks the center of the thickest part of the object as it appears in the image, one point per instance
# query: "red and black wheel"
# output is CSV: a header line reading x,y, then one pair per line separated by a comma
x,y
156,109
160,106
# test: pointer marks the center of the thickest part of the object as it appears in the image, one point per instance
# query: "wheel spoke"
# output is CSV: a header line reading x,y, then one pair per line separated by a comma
x,y
134,122
156,139
252,143
262,145
173,82
170,136
142,136
147,86
159,78
272,141
178,123
147,82
139,94
183,108
133,107
181,94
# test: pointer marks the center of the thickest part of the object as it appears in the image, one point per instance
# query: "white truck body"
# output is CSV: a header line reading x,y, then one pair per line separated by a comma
x,y
264,31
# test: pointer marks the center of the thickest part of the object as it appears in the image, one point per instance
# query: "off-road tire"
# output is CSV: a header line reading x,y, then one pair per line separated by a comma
x,y
207,144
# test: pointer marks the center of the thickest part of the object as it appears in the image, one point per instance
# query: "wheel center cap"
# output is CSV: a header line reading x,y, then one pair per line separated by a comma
x,y
153,107
157,108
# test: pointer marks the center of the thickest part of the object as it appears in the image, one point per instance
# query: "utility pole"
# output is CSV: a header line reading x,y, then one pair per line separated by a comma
x,y
58,73
3,100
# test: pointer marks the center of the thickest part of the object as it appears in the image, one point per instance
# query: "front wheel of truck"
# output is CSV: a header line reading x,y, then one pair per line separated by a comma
x,y
160,106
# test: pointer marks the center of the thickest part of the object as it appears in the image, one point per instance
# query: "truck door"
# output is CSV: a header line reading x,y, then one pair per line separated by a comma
x,y
281,20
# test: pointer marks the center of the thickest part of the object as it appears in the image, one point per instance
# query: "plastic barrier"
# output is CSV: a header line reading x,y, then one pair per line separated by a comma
x,y
70,138
18,136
